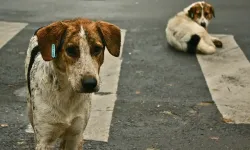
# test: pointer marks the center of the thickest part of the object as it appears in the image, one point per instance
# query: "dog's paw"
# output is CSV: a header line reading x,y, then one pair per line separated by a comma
x,y
218,43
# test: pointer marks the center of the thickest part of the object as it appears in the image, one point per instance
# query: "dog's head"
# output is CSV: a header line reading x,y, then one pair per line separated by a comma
x,y
79,47
201,12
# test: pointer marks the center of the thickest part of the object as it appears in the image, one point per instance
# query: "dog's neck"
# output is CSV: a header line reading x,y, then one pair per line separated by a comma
x,y
59,78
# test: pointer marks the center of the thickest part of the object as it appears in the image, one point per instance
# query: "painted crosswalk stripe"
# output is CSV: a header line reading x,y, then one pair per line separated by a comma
x,y
103,102
227,74
8,30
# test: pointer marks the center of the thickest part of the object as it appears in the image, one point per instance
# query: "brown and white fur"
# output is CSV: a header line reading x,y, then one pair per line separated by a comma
x,y
60,88
187,30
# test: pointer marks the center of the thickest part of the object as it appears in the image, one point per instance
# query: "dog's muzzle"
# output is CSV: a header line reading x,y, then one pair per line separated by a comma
x,y
203,24
89,84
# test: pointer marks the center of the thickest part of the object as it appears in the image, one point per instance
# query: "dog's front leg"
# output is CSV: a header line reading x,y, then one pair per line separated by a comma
x,y
73,137
216,42
72,142
46,134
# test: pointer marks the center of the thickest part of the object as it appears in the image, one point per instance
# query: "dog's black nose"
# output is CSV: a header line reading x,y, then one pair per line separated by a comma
x,y
89,84
203,24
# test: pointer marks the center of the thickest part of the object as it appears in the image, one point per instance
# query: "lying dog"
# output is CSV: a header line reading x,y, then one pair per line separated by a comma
x,y
62,71
187,31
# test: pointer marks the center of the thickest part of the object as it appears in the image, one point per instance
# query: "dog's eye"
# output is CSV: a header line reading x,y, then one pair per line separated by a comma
x,y
205,14
72,51
97,50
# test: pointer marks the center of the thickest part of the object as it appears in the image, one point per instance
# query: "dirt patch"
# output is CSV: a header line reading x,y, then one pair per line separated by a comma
x,y
235,80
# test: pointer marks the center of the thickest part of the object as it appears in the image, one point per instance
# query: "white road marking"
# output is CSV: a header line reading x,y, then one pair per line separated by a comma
x,y
227,74
8,30
102,103
21,92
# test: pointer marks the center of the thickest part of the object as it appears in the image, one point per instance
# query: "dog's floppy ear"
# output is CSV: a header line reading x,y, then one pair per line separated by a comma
x,y
111,36
49,35
212,11
191,12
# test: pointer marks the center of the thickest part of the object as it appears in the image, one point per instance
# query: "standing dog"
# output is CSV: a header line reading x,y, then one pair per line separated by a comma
x,y
187,31
62,70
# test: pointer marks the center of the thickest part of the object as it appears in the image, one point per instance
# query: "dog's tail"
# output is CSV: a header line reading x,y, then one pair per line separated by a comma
x,y
32,52
192,44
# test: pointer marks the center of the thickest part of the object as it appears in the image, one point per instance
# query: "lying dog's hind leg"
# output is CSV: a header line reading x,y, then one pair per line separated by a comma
x,y
205,48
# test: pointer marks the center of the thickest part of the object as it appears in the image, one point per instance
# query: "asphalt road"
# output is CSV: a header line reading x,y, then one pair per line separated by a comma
x,y
165,114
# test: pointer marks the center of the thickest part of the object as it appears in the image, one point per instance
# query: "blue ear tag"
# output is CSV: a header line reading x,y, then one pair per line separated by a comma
x,y
53,51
